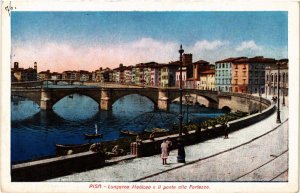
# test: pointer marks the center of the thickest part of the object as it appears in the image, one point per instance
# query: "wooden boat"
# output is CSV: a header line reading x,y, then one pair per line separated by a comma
x,y
127,132
157,130
64,149
92,135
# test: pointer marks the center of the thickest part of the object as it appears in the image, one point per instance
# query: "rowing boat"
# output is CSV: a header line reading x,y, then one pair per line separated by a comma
x,y
127,132
156,130
64,149
92,135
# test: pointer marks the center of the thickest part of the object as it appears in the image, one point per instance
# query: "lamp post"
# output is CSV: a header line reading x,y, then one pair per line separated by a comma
x,y
181,152
260,98
283,91
278,103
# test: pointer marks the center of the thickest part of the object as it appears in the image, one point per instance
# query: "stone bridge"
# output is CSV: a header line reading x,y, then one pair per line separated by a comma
x,y
161,97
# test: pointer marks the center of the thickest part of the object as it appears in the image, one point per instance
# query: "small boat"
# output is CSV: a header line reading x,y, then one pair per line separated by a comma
x,y
64,149
92,135
127,132
157,130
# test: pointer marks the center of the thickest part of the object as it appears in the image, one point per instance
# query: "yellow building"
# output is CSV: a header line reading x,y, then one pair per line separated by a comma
x,y
207,80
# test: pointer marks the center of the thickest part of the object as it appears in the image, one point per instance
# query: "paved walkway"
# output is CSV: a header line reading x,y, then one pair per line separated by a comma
x,y
248,155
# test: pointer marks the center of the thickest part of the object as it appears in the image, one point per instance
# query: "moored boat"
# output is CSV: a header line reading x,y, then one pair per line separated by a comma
x,y
127,132
64,149
92,135
157,130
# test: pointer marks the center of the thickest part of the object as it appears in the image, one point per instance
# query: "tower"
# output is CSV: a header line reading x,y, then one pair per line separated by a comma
x,y
16,65
187,59
35,66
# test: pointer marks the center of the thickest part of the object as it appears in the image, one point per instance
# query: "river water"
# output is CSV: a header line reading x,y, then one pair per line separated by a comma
x,y
34,133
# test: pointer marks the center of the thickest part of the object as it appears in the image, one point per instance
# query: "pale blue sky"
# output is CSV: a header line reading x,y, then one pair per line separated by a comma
x,y
207,35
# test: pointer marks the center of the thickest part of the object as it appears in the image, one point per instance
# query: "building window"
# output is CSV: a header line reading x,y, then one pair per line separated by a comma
x,y
272,78
236,73
244,74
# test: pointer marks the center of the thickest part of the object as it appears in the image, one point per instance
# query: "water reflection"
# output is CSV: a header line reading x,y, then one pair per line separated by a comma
x,y
22,108
76,107
34,133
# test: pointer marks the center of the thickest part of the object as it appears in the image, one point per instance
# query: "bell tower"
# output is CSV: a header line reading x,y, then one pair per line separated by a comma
x,y
35,66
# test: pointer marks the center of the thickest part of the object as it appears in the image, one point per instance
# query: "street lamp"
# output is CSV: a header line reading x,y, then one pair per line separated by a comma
x,y
260,97
283,90
181,152
278,103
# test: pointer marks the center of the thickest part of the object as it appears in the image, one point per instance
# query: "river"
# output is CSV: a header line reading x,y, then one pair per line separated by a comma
x,y
34,133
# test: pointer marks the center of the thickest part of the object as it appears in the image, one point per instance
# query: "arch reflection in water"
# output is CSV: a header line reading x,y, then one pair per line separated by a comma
x,y
22,108
129,104
76,107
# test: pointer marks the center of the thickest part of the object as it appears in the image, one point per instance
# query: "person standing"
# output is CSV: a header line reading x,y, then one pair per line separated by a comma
x,y
164,152
226,126
169,142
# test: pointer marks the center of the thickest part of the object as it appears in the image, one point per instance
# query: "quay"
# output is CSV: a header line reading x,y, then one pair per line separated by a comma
x,y
257,153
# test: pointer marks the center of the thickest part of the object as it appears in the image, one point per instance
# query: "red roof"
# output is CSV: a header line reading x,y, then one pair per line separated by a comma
x,y
258,59
201,62
208,72
231,59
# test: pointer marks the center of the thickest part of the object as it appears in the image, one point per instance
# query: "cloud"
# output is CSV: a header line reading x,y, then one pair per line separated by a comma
x,y
60,56
208,45
248,45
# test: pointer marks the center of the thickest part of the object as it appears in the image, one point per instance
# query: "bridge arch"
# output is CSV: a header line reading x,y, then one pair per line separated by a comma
x,y
59,97
115,99
226,108
212,102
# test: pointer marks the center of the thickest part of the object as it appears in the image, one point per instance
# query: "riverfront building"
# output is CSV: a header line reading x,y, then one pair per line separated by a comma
x,y
44,75
155,75
272,78
168,74
223,74
248,74
193,73
22,75
56,76
207,80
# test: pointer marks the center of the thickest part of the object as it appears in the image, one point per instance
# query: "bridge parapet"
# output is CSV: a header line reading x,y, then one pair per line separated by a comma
x,y
26,84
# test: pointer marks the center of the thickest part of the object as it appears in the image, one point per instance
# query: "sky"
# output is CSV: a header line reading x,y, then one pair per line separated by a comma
x,y
61,41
